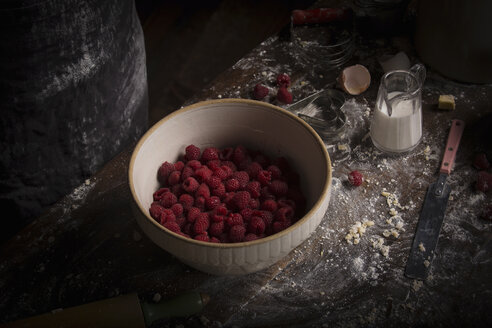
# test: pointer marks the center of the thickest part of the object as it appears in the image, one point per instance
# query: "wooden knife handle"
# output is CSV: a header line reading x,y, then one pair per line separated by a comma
x,y
454,137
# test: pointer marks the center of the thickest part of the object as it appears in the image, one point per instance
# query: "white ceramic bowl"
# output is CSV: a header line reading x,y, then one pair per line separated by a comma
x,y
222,123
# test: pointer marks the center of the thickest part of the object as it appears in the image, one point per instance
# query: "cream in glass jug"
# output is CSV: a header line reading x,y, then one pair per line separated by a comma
x,y
396,125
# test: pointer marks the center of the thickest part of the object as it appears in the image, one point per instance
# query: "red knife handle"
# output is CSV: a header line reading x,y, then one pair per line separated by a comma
x,y
454,137
319,15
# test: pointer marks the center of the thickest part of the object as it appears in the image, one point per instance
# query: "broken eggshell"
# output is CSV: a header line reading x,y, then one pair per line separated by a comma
x,y
355,79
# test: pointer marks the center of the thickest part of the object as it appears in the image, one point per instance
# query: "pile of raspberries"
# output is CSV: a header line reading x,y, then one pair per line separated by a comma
x,y
227,195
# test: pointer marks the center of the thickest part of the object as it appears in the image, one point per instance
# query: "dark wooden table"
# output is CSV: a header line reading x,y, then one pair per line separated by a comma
x,y
88,246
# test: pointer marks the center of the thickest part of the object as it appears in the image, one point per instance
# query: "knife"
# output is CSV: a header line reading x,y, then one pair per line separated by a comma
x,y
433,210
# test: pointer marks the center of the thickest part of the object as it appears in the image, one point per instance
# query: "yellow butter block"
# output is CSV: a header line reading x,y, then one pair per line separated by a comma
x,y
446,102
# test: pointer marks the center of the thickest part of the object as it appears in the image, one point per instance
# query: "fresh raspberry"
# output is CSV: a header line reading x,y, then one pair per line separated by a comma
x,y
192,152
214,240
242,177
224,237
214,182
156,210
167,215
264,177
284,213
283,202
193,213
221,174
203,173
266,216
278,226
284,96
216,228
240,155
254,204
220,210
157,196
181,221
163,173
190,185
283,80
187,229
481,162
177,190
256,225
202,237
234,218
250,237
254,189
236,233
212,202
201,224
194,164
232,184
168,199
174,178
484,181
260,91
214,164
269,205
228,199
275,171
355,178
246,213
187,201
209,154
266,194
186,173
217,218
179,165
228,170
278,187
200,202
219,191
203,191
226,154
253,169
172,226
230,165
177,209
241,199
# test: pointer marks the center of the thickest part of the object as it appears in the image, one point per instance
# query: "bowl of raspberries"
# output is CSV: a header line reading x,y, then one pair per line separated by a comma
x,y
230,186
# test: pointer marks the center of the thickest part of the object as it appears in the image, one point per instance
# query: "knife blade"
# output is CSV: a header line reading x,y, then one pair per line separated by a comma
x,y
433,210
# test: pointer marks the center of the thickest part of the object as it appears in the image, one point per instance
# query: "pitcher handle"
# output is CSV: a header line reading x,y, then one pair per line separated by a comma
x,y
418,70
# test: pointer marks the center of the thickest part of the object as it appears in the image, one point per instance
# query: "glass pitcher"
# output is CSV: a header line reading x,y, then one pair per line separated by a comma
x,y
396,125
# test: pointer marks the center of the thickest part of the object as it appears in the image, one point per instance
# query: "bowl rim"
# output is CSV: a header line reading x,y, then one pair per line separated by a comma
x,y
314,208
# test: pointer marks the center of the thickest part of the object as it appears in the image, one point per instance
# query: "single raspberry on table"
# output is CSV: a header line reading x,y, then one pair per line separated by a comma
x,y
236,233
355,178
283,80
260,91
209,154
481,162
192,152
163,172
284,96
484,181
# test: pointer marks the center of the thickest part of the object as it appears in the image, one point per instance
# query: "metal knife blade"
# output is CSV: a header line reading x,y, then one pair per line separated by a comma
x,y
433,210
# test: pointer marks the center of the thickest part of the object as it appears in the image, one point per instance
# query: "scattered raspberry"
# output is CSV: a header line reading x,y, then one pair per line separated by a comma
x,y
168,199
355,178
256,225
174,178
173,226
484,181
242,177
236,233
481,162
187,201
278,187
192,152
190,185
264,177
241,199
232,184
156,211
163,173
284,96
260,91
210,154
283,80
